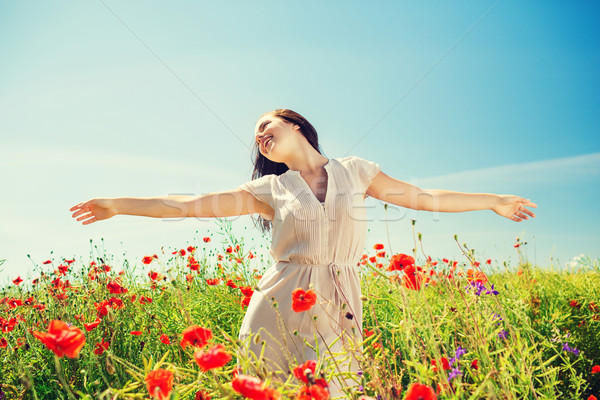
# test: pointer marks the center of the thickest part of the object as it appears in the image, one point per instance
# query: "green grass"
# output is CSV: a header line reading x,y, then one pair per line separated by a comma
x,y
412,327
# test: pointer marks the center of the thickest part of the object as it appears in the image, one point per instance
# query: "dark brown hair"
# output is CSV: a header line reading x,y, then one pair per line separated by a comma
x,y
264,166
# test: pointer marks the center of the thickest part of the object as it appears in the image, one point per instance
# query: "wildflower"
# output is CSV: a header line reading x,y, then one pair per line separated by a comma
x,y
300,370
252,388
231,284
492,291
368,332
92,325
145,300
202,395
592,397
454,373
315,392
17,280
503,334
47,262
160,383
115,288
570,349
165,339
400,261
135,333
303,301
195,336
411,279
206,239
489,261
575,304
4,343
246,291
458,354
596,369
215,357
245,301
101,347
62,339
214,281
153,275
378,246
445,364
418,391
381,253
474,364
476,276
147,259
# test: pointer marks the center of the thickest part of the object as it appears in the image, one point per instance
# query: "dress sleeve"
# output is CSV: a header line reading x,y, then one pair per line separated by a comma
x,y
365,171
261,188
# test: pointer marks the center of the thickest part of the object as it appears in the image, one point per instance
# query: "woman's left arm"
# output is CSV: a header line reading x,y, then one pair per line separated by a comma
x,y
394,191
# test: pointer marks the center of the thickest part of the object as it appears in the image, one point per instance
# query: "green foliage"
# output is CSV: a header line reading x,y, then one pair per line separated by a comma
x,y
517,337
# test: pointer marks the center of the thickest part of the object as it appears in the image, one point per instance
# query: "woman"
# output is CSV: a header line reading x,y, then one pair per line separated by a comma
x,y
315,207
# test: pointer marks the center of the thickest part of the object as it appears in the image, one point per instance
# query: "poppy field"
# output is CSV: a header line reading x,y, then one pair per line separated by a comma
x,y
166,327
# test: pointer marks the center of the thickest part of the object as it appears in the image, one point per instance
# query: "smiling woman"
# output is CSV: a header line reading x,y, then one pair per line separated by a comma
x,y
314,207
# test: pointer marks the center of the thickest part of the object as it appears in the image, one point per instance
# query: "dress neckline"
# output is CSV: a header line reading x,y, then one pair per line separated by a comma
x,y
327,167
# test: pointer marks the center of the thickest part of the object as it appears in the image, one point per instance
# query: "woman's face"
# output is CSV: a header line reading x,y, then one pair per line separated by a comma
x,y
276,137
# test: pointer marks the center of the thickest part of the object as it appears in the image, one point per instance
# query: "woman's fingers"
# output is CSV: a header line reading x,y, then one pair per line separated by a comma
x,y
90,221
85,216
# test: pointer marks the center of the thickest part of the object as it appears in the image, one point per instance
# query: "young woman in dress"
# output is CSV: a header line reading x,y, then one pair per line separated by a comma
x,y
315,209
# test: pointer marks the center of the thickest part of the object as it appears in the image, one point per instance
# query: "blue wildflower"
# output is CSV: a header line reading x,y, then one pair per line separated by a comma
x,y
570,349
492,291
503,334
454,373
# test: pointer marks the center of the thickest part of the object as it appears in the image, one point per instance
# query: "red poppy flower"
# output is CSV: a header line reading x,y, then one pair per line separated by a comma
x,y
476,276
315,392
115,288
147,260
368,332
202,395
246,291
418,391
596,369
300,370
136,333
303,301
400,261
214,281
160,383
92,325
412,279
592,397
101,347
3,343
372,259
206,239
253,388
381,254
574,304
62,339
165,339
593,307
214,357
47,262
231,284
153,275
17,280
445,364
474,364
245,301
378,246
195,336
145,300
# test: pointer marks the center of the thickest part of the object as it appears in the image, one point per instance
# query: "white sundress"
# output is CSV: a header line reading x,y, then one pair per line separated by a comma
x,y
315,245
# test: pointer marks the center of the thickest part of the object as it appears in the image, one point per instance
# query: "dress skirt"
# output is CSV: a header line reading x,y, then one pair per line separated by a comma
x,y
330,332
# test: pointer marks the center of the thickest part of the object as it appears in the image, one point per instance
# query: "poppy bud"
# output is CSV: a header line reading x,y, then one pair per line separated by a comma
x,y
110,315
419,236
363,297
455,236
314,317
275,304
343,306
110,368
390,290
295,332
413,221
257,338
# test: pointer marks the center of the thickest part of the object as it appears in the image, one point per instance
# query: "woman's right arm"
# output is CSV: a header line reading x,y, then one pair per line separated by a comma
x,y
212,205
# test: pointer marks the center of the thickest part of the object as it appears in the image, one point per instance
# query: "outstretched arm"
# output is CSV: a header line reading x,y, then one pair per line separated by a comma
x,y
221,204
394,191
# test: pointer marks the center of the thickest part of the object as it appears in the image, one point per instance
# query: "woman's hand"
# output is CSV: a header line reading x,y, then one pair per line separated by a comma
x,y
513,207
94,210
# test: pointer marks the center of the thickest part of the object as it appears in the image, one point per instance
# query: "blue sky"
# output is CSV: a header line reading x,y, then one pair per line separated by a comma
x,y
140,99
